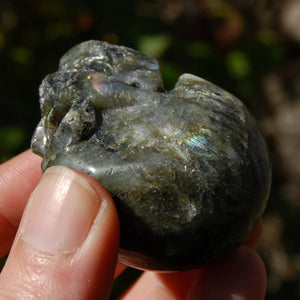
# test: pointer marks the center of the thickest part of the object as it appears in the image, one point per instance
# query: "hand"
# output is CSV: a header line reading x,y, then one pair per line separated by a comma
x,y
64,245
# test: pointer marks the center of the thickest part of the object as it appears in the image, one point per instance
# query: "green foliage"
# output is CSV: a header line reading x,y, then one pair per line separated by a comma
x,y
154,45
11,141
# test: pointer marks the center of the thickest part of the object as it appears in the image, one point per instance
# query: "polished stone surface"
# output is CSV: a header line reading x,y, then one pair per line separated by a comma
x,y
188,168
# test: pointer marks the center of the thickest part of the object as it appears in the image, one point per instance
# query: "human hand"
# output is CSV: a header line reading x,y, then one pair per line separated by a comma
x,y
67,243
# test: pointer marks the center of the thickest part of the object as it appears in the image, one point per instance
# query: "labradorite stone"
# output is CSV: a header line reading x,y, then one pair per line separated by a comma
x,y
188,168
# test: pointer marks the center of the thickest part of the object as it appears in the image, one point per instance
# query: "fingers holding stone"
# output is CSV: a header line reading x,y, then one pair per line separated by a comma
x,y
67,243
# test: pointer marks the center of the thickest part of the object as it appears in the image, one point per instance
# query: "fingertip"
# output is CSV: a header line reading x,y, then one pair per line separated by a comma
x,y
242,275
67,242
102,245
100,250
111,215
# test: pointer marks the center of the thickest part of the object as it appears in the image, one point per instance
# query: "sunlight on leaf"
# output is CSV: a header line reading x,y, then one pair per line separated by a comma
x,y
154,45
238,64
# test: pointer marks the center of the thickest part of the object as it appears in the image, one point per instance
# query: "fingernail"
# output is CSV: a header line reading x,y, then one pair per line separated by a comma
x,y
60,212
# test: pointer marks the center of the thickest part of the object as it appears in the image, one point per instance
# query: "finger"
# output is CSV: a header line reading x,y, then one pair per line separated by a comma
x,y
18,177
67,243
162,286
255,237
242,275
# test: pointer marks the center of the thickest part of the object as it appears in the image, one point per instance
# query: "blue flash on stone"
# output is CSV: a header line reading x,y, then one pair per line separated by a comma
x,y
199,143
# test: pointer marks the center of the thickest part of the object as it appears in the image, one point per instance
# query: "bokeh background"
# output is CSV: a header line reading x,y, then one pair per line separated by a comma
x,y
249,47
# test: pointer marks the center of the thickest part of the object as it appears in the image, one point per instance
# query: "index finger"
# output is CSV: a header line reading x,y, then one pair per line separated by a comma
x,y
18,178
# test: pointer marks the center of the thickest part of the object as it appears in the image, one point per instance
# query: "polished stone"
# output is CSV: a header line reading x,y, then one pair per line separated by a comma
x,y
188,168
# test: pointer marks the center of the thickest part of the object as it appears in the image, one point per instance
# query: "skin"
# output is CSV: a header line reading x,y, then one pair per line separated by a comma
x,y
87,272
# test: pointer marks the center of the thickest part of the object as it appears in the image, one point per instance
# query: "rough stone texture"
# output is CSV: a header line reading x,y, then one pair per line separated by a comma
x,y
187,168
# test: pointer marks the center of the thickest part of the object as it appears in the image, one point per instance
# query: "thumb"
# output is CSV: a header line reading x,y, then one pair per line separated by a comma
x,y
67,243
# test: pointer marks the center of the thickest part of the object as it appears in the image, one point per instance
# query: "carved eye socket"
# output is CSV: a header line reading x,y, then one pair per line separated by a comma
x,y
55,116
135,84
88,131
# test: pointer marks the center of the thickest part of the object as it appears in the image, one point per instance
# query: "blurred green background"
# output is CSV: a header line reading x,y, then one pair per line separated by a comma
x,y
251,48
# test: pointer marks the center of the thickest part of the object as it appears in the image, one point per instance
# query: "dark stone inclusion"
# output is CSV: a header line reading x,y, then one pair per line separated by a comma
x,y
188,168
